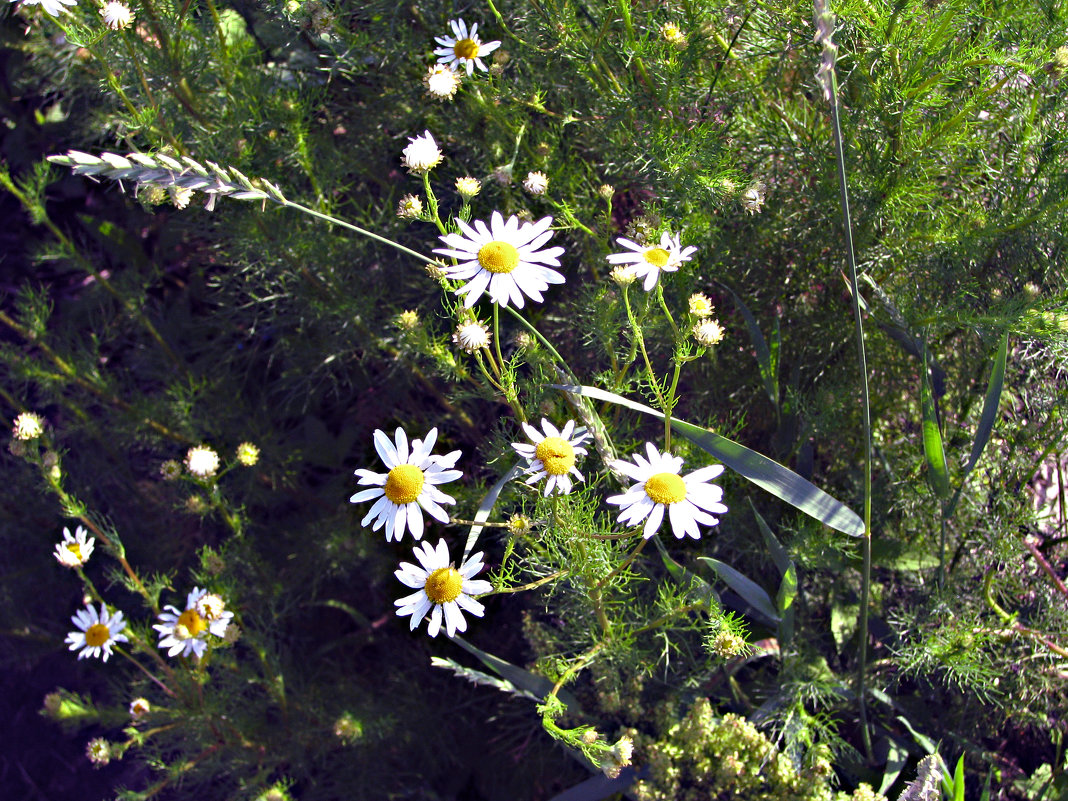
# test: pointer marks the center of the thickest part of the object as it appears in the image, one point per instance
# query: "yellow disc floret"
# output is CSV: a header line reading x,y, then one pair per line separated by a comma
x,y
76,550
666,488
404,483
192,622
498,257
466,49
556,454
657,257
443,585
96,635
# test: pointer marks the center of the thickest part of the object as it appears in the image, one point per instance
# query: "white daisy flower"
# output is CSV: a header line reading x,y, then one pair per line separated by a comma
x,y
536,183
422,154
186,633
553,455
116,15
503,259
471,336
708,333
97,632
463,49
139,707
53,7
687,499
202,461
441,82
409,486
648,261
74,551
443,590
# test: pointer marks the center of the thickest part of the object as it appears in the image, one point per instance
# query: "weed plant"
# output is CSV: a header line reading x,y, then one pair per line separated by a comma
x,y
702,364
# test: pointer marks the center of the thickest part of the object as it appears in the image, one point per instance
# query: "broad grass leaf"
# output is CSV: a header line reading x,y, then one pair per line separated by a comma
x,y
751,592
766,473
990,404
536,685
778,554
767,358
933,451
685,577
484,508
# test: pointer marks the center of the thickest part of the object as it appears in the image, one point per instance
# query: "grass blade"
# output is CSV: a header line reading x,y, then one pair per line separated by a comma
x,y
751,592
935,454
766,473
990,404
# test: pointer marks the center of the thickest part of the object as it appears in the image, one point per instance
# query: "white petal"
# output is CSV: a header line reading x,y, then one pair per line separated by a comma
x,y
656,517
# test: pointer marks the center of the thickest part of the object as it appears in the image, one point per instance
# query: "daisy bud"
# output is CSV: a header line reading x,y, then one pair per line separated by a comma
x,y
1060,60
468,187
441,82
590,736
347,728
503,175
700,305
247,454
202,461
524,340
116,15
409,208
151,194
536,183
672,34
606,191
518,525
436,270
727,644
618,758
98,751
27,426
471,336
708,333
422,154
170,470
139,707
408,320
623,276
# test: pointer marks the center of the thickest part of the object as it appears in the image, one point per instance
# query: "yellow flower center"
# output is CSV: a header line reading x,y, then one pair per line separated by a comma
x,y
498,257
665,488
96,635
76,550
443,585
192,622
404,483
466,49
657,257
556,454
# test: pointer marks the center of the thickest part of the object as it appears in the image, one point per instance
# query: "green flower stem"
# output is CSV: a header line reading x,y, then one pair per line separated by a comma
x,y
580,663
149,673
542,340
432,204
355,228
988,594
665,407
531,586
626,562
497,335
865,591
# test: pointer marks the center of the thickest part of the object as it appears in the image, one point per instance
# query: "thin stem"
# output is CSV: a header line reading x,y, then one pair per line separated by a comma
x,y
531,586
357,229
865,593
626,562
637,331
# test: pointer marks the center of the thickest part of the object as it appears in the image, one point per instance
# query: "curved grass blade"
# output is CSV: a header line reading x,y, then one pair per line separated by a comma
x,y
990,404
934,452
767,358
766,473
484,508
778,554
536,685
686,577
751,592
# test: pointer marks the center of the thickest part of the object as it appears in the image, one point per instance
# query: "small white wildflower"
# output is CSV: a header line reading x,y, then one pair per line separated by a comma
x,y
75,550
99,752
536,183
27,426
441,82
468,187
422,154
186,633
53,7
202,461
97,632
116,15
463,49
471,336
442,590
649,261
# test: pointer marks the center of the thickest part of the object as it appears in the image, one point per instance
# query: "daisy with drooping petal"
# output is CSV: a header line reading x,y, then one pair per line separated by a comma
x,y
422,154
471,336
689,500
503,259
463,49
186,633
75,550
441,82
116,15
648,261
553,455
408,489
97,632
444,590
53,7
